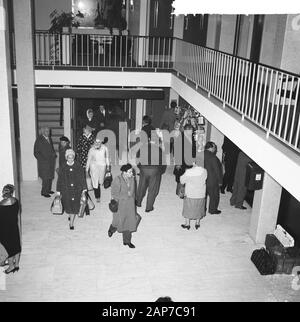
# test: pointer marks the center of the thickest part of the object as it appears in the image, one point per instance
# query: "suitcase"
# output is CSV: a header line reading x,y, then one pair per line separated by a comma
x,y
284,264
263,261
273,245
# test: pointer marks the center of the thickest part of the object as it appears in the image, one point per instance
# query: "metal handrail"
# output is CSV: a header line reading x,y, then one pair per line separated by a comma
x,y
267,96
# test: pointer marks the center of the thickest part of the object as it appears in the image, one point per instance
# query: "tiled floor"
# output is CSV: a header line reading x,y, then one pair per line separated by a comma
x,y
209,264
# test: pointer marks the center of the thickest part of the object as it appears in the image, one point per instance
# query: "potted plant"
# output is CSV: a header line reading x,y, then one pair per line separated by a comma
x,y
62,20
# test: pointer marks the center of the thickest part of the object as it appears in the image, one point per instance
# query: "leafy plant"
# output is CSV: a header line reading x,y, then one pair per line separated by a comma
x,y
64,19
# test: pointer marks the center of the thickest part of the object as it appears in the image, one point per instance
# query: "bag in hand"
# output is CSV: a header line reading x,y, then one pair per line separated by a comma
x,y
180,190
89,182
83,204
107,180
56,206
113,205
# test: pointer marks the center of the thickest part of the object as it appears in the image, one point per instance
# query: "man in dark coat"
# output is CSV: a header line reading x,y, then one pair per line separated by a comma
x,y
102,118
152,166
45,155
214,177
239,187
230,156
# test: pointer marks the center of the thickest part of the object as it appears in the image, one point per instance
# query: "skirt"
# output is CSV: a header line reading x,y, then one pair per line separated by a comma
x,y
193,208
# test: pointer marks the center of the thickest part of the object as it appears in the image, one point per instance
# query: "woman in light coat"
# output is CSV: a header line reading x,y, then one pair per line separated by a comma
x,y
195,191
97,163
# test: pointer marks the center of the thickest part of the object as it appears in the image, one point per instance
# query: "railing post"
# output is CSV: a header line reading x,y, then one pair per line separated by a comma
x,y
65,48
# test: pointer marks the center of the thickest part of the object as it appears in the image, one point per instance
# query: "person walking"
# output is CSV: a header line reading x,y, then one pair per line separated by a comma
x,y
123,191
71,184
194,180
151,170
230,156
239,188
214,177
96,166
10,228
85,142
45,155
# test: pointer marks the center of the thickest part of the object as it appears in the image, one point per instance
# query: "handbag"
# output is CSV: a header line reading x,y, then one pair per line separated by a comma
x,y
3,254
89,183
107,180
83,204
180,190
138,220
90,203
56,206
113,205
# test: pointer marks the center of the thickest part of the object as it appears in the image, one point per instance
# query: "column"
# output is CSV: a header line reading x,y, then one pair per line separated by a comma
x,y
67,103
265,209
7,134
26,82
143,43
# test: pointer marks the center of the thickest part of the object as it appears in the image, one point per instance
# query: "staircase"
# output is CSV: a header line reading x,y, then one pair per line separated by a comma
x,y
50,113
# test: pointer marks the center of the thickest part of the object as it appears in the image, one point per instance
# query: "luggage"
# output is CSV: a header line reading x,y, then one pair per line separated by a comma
x,y
284,237
56,206
263,261
107,180
286,258
83,205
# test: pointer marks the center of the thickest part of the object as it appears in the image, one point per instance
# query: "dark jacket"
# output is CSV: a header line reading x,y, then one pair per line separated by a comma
x,y
168,120
214,169
45,155
70,183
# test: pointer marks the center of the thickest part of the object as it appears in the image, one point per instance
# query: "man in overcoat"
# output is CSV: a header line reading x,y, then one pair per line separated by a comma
x,y
214,177
45,155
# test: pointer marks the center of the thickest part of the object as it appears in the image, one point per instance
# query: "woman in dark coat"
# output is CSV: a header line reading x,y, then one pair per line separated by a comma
x,y
125,219
9,228
70,184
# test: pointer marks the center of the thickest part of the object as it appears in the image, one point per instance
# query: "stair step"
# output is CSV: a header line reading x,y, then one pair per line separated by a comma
x,y
48,117
48,110
48,103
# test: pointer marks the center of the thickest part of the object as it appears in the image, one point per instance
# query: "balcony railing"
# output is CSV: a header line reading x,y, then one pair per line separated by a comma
x,y
266,96
94,50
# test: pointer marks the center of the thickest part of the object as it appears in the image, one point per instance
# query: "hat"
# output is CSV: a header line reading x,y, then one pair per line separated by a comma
x,y
69,152
126,167
64,139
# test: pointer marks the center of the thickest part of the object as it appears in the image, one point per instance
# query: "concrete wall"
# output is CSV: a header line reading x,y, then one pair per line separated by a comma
x,y
272,40
291,47
44,7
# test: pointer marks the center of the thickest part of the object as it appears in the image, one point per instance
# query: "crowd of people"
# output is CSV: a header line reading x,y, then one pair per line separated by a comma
x,y
198,175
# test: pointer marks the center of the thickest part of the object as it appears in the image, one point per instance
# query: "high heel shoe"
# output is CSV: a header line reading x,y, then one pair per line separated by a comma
x,y
71,227
15,269
197,226
186,227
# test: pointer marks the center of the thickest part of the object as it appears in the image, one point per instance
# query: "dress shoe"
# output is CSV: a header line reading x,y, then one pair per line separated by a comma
x,y
51,192
186,227
197,226
46,195
129,245
8,271
240,207
71,227
148,210
217,212
109,233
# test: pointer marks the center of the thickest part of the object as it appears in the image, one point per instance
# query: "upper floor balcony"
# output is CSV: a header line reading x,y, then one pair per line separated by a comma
x,y
266,96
